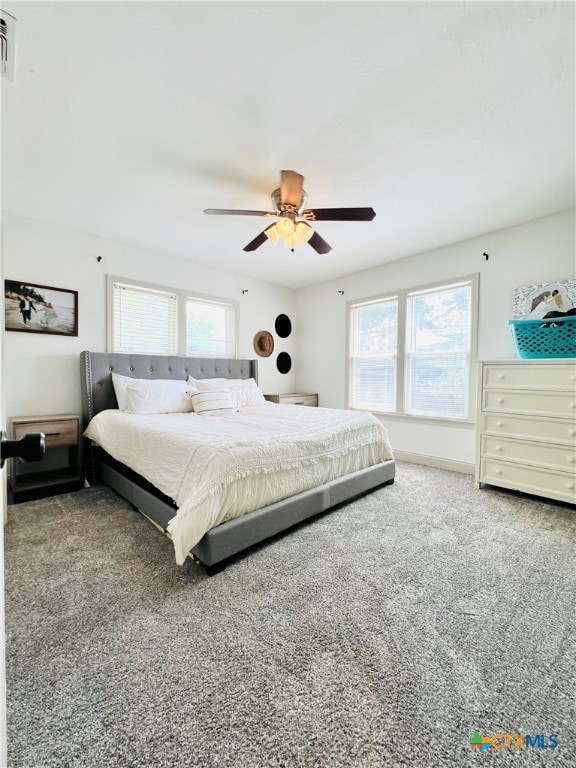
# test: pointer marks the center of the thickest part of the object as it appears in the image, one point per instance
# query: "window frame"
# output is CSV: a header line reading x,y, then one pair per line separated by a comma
x,y
182,296
401,295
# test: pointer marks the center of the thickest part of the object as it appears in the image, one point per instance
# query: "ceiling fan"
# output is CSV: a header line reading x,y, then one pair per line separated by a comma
x,y
289,202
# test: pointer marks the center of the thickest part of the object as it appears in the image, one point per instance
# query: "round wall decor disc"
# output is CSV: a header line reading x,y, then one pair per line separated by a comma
x,y
263,343
283,326
283,362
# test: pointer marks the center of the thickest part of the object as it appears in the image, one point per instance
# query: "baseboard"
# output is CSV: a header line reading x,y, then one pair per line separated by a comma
x,y
434,461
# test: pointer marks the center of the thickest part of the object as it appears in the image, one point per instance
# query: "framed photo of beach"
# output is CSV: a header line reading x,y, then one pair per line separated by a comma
x,y
33,308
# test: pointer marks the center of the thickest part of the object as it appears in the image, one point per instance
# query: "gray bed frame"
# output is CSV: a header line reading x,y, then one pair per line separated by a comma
x,y
228,539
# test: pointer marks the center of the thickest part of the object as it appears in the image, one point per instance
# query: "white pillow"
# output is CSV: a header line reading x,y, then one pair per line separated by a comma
x,y
220,384
119,383
145,396
247,395
211,402
243,392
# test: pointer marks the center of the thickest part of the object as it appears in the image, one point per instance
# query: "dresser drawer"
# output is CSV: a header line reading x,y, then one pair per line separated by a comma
x,y
560,404
554,457
527,376
57,432
553,485
530,428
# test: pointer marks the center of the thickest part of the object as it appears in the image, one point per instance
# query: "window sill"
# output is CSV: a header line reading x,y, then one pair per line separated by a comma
x,y
429,420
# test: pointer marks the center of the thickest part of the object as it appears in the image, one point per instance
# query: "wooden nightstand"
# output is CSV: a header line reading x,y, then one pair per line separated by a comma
x,y
60,469
294,398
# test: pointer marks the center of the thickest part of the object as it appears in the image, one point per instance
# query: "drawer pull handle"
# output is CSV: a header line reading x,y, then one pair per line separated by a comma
x,y
572,432
570,486
501,376
499,423
300,402
572,405
52,434
570,459
500,400
498,471
498,447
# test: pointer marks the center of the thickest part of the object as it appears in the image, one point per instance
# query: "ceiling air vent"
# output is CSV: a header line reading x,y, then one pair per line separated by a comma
x,y
8,40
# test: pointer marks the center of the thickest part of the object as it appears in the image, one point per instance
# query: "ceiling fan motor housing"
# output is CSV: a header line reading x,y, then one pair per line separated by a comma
x,y
279,209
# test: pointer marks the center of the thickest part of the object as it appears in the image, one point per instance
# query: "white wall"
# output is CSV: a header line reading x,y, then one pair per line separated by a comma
x,y
536,252
43,372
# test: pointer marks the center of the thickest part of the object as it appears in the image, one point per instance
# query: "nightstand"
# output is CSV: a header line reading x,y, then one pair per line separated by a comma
x,y
60,469
294,398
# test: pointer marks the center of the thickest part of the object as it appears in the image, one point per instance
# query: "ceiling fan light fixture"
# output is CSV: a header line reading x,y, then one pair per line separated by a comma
x,y
303,232
285,224
272,233
291,242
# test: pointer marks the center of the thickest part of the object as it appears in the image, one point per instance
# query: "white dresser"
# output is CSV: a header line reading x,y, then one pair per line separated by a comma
x,y
526,429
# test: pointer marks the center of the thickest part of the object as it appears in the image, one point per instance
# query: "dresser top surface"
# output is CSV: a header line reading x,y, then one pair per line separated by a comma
x,y
537,361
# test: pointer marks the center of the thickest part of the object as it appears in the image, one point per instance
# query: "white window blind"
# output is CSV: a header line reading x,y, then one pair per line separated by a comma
x,y
145,321
437,354
373,349
210,328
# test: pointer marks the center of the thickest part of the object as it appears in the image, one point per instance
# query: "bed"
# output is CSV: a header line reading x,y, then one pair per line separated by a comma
x,y
176,488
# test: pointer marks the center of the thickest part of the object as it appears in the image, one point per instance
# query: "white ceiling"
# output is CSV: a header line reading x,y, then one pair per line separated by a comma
x,y
451,119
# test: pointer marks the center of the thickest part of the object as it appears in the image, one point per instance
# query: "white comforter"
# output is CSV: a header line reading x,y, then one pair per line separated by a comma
x,y
221,466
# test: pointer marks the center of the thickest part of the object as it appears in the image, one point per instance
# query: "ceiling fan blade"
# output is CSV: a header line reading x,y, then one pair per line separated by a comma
x,y
236,212
339,214
291,188
257,242
319,244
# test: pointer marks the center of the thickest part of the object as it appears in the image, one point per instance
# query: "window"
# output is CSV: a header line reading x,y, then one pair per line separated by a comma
x,y
437,356
410,354
210,328
374,331
150,319
145,321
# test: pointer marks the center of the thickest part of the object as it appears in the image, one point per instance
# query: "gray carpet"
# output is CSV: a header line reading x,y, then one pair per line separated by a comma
x,y
382,634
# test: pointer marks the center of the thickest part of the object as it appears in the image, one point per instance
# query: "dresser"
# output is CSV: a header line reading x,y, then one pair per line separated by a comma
x,y
294,398
526,428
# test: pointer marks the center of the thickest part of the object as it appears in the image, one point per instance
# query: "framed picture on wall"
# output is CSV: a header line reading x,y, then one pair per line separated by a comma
x,y
533,302
33,308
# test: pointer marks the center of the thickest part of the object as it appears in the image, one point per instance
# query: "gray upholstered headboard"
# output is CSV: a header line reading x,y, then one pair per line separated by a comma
x,y
97,368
